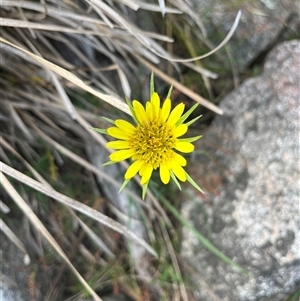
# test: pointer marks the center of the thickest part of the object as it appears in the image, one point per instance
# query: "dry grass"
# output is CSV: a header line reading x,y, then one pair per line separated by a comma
x,y
63,65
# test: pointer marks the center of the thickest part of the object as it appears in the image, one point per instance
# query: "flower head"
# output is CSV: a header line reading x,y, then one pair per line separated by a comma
x,y
154,142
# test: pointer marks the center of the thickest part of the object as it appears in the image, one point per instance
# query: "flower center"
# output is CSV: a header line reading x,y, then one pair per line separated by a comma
x,y
153,141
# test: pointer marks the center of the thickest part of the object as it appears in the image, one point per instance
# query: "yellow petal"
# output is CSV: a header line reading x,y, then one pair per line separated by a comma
x,y
146,174
149,110
180,160
141,171
117,133
139,111
121,155
184,147
169,164
125,126
119,144
179,171
165,110
180,130
155,101
133,169
175,114
164,174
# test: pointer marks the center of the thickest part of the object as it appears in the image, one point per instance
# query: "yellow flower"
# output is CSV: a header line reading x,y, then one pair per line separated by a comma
x,y
154,142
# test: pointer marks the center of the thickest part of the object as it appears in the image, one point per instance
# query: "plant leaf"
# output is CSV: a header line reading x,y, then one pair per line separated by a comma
x,y
144,190
175,179
109,163
131,110
187,114
102,131
190,139
170,91
193,120
123,185
108,120
151,84
189,179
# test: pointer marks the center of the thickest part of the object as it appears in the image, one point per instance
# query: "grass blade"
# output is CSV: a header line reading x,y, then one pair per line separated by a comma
x,y
69,76
88,211
37,223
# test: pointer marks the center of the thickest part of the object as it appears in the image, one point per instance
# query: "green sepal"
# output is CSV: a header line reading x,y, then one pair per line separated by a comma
x,y
151,84
145,186
131,110
109,163
189,179
187,114
102,131
108,120
193,120
170,92
129,105
123,185
175,179
191,139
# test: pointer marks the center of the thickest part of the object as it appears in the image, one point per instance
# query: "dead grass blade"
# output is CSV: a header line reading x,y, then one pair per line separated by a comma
x,y
46,234
4,156
224,42
162,6
91,234
155,8
185,7
182,88
51,11
70,77
19,122
4,208
88,211
173,257
30,168
202,70
14,239
7,22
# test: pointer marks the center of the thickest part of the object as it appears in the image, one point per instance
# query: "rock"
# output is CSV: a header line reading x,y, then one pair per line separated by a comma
x,y
249,169
15,274
260,27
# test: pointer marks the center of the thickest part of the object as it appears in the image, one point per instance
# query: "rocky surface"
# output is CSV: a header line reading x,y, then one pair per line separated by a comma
x,y
249,168
15,273
262,23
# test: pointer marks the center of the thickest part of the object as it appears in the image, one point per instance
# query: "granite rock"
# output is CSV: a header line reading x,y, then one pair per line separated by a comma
x,y
249,169
14,273
262,24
